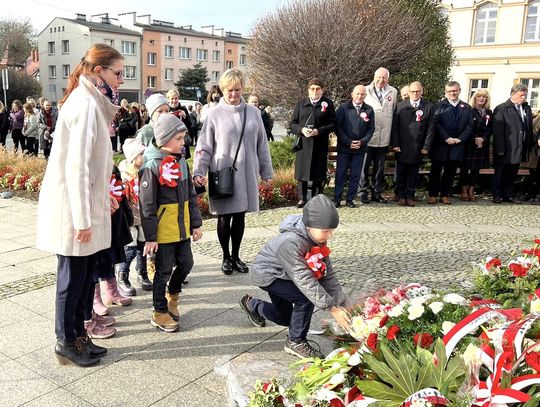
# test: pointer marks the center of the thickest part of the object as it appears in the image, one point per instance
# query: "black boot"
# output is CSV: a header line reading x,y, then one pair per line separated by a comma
x,y
74,352
142,278
91,347
124,286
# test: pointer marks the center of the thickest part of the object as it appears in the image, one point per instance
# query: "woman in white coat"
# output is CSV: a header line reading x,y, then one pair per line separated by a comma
x,y
74,210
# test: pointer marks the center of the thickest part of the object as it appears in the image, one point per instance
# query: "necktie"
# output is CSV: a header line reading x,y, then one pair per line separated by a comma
x,y
357,109
379,95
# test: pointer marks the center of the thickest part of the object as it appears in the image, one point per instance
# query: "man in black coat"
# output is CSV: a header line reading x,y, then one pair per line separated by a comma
x,y
412,132
512,138
453,122
355,124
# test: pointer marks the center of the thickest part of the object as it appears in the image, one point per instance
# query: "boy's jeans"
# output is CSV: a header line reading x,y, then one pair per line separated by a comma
x,y
167,256
284,293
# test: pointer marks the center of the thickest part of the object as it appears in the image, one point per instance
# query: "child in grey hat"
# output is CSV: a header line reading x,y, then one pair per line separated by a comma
x,y
296,271
169,217
156,105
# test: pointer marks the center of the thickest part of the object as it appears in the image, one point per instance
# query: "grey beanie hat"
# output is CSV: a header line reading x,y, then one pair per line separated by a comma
x,y
166,127
321,213
154,101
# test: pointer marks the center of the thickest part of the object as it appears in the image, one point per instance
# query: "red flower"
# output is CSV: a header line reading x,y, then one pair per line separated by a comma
x,y
384,320
372,341
533,360
496,262
314,260
266,387
336,403
392,332
425,340
537,241
519,270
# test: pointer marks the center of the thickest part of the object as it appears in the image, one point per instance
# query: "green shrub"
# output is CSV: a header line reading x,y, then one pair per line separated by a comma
x,y
282,155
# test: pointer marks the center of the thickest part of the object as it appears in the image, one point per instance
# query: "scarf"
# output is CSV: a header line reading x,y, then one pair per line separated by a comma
x,y
105,89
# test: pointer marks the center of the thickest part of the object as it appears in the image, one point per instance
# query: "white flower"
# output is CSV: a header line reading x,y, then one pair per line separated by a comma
x,y
359,328
535,306
436,306
338,378
354,359
415,311
471,356
336,365
396,311
454,299
447,326
419,300
325,394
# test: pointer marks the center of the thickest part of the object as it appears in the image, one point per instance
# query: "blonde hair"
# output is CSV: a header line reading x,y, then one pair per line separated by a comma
x,y
171,93
28,109
231,77
2,107
480,92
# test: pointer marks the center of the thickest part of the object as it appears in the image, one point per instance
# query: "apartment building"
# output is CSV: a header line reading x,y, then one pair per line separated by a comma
x,y
64,42
497,44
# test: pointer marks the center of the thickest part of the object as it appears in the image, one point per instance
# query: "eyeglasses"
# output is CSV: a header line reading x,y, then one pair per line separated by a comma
x,y
119,74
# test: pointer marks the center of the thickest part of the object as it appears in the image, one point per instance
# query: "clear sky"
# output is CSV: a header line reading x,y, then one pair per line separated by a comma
x,y
233,15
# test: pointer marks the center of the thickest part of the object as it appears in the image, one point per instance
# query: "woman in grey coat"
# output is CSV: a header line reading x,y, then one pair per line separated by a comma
x,y
216,148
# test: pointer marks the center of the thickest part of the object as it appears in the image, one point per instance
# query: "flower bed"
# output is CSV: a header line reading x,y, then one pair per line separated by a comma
x,y
414,346
20,172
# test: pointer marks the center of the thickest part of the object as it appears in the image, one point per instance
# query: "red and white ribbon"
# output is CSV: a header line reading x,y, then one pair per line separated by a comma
x,y
433,396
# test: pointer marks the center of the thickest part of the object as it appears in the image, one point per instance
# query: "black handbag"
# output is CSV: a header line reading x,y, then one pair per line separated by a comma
x,y
221,183
297,143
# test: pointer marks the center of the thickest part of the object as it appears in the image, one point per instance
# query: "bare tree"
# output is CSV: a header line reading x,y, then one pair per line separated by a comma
x,y
19,36
342,42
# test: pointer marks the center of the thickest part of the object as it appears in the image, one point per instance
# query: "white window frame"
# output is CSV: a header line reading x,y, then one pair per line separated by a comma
x,y
536,16
242,59
182,51
109,42
229,64
169,51
151,58
215,76
128,47
151,81
65,46
130,72
202,54
216,56
529,82
51,48
489,22
52,71
483,83
169,74
66,70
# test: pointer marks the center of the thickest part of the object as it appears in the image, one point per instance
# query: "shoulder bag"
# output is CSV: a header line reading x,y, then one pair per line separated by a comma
x,y
221,183
297,143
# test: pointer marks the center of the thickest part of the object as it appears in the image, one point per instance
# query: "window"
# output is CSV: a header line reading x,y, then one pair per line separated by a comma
x,y
202,54
169,74
169,38
65,46
534,89
52,71
532,28
51,48
151,60
184,53
128,48
65,71
242,59
216,55
486,24
151,83
109,42
228,64
169,51
476,84
129,72
215,76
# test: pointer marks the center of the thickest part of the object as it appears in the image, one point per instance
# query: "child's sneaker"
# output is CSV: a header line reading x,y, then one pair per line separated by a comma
x,y
302,349
103,320
97,331
172,305
164,321
255,318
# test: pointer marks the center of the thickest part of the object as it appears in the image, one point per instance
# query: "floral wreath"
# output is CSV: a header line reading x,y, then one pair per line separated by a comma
x,y
314,260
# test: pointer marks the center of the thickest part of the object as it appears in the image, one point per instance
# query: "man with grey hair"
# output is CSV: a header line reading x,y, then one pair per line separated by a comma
x,y
512,138
383,98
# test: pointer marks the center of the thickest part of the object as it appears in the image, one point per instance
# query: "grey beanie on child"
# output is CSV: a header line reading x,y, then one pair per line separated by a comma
x,y
166,127
321,213
154,102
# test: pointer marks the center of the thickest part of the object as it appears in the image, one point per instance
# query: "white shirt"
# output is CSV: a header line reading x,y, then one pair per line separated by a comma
x,y
454,103
415,103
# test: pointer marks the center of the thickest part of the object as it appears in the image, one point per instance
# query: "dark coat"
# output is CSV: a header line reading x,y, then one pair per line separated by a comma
x,y
512,137
412,130
450,121
352,125
477,158
187,121
4,123
311,160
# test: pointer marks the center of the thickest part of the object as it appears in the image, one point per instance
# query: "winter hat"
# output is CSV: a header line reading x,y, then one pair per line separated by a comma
x,y
320,213
154,101
166,127
132,148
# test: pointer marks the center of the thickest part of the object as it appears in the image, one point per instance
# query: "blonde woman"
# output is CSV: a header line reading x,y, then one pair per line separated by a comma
x,y
477,146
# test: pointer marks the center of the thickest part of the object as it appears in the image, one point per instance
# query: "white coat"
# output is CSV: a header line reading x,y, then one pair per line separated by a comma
x,y
383,114
75,190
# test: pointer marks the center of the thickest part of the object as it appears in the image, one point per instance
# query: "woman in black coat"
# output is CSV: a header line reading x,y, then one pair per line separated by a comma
x,y
313,120
4,124
477,147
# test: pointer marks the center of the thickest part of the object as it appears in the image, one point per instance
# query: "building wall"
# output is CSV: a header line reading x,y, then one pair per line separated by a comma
x,y
508,60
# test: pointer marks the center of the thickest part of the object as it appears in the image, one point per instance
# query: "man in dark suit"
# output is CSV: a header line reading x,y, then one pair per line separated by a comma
x,y
355,124
412,132
512,138
453,122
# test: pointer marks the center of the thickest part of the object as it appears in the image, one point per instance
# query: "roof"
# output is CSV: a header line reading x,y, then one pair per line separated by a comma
x,y
102,27
177,30
237,40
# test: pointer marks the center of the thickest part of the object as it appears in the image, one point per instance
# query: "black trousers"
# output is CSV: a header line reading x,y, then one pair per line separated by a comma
x,y
18,139
289,307
406,177
375,156
316,188
344,162
3,138
167,256
503,180
73,286
441,177
32,145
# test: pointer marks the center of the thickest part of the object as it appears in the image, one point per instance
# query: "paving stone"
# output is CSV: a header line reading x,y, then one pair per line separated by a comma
x,y
192,395
19,385
26,336
58,397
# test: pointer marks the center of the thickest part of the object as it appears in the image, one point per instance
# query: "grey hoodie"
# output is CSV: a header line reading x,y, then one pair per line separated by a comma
x,y
283,257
